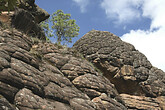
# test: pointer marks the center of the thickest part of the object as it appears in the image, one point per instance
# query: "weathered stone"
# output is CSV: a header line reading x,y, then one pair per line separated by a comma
x,y
46,76
161,101
127,68
26,18
5,105
39,13
81,104
106,103
5,17
31,77
57,59
26,57
3,63
46,48
140,102
4,54
76,67
127,73
8,91
96,83
49,69
26,100
20,39
29,27
154,85
63,93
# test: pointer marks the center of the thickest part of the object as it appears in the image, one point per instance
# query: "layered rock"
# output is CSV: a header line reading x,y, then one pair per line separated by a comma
x,y
35,74
127,68
50,77
143,103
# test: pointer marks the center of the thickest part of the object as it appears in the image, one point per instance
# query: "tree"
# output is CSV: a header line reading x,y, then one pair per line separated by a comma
x,y
63,27
47,30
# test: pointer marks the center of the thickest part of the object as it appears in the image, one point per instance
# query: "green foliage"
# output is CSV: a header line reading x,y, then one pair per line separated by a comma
x,y
59,46
7,5
47,30
63,27
36,54
35,40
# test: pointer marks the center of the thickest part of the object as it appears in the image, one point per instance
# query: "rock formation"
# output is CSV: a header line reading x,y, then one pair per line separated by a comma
x,y
50,77
100,72
129,70
29,15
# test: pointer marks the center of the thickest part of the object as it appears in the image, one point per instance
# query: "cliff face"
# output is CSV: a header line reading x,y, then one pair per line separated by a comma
x,y
100,72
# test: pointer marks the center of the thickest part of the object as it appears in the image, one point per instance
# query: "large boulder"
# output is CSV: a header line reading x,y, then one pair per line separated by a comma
x,y
124,66
26,17
30,6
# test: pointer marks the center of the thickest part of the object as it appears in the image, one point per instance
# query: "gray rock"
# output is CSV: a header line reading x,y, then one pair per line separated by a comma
x,y
124,66
5,105
127,68
50,77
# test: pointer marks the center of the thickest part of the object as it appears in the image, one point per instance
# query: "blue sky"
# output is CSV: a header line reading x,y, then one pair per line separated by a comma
x,y
139,22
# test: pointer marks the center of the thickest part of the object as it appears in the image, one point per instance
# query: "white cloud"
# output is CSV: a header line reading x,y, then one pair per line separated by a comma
x,y
123,11
151,42
82,4
155,9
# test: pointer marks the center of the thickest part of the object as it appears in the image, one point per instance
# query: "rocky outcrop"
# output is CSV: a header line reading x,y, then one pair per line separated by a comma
x,y
127,68
30,6
5,105
100,72
26,17
47,76
50,77
27,23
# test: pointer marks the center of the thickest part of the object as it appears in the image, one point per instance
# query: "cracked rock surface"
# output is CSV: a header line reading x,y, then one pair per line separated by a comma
x,y
50,77
100,72
47,76
124,66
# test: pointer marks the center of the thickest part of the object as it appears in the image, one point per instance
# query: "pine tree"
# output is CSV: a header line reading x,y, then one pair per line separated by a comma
x,y
63,27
